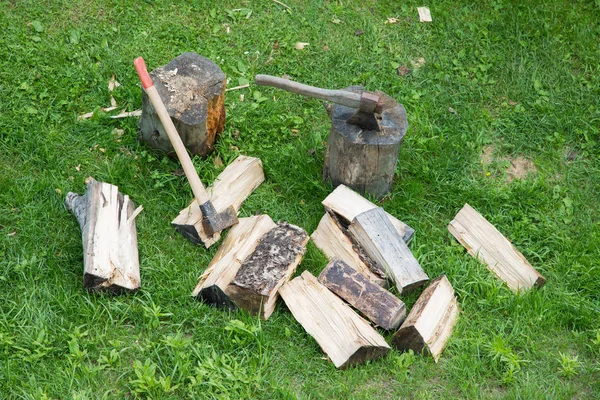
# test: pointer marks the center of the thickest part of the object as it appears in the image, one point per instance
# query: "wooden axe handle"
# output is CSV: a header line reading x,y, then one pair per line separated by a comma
x,y
343,97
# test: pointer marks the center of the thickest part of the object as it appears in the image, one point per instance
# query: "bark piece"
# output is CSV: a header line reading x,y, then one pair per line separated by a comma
x,y
431,320
365,160
110,252
231,188
484,242
374,232
342,334
347,204
375,303
331,239
271,265
192,88
240,242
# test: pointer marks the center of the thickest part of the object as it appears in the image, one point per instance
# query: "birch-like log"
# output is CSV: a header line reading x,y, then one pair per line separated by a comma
x,y
342,334
431,320
239,243
484,242
110,252
375,233
231,188
347,204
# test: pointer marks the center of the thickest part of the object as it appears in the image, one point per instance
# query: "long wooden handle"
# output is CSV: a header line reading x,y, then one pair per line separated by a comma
x,y
198,189
343,97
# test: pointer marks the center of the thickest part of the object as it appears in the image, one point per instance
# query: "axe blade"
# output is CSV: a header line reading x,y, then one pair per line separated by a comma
x,y
364,120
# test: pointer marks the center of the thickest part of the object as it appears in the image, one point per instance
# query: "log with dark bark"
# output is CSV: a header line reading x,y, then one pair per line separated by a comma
x,y
332,240
431,320
110,252
342,334
377,304
365,160
271,265
374,232
192,88
231,188
239,243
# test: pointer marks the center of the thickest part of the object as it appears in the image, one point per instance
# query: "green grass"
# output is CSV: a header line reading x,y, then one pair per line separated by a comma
x,y
523,77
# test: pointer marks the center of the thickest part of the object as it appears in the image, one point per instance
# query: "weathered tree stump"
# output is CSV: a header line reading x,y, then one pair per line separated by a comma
x,y
193,90
365,160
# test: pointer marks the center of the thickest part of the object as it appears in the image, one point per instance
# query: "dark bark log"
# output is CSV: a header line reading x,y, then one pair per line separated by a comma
x,y
374,302
271,265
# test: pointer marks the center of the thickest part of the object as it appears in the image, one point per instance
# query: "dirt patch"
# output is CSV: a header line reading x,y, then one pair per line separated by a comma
x,y
519,168
488,155
515,167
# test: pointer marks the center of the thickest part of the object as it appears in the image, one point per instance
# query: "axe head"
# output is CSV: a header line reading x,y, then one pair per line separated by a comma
x,y
364,117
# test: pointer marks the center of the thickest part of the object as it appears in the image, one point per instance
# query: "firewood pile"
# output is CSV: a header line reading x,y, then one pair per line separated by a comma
x,y
355,297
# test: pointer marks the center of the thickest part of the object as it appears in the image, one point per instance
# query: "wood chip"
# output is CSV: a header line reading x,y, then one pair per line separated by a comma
x,y
424,14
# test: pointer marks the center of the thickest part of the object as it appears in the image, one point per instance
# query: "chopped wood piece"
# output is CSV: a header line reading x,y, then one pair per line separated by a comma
x,y
135,113
374,232
375,303
333,242
271,265
347,204
431,320
231,188
240,242
484,242
110,252
342,334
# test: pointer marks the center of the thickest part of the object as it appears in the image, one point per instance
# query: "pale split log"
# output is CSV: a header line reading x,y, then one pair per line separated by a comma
x,y
373,230
271,265
332,240
239,243
342,334
484,242
231,188
431,320
377,304
110,251
347,204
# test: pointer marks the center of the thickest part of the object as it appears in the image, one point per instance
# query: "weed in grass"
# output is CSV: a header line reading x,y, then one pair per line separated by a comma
x,y
569,365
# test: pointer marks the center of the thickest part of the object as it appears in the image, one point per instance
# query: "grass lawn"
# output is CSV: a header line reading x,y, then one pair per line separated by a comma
x,y
502,85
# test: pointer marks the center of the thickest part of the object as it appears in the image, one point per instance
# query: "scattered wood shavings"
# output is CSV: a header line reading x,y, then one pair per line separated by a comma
x,y
391,20
418,63
300,45
90,114
238,87
112,84
424,14
282,4
135,113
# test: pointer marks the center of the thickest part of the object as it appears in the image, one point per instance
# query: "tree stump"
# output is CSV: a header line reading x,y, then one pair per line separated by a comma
x,y
193,90
364,160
